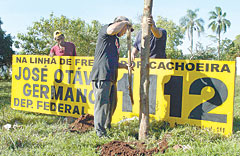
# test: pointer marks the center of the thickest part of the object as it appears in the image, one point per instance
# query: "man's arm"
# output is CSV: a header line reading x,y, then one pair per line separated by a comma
x,y
134,53
125,66
157,33
120,65
115,28
51,52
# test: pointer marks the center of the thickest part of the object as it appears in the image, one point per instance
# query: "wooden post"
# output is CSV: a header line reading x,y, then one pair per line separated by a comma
x,y
129,46
144,72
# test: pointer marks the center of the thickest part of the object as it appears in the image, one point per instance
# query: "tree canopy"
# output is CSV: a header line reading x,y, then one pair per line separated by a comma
x,y
191,23
218,24
175,35
39,38
6,51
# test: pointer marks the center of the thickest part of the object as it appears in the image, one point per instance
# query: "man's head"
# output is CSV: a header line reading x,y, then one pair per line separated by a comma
x,y
120,19
59,36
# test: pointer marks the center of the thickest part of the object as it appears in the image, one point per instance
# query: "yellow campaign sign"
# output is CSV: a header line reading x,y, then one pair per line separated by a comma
x,y
195,92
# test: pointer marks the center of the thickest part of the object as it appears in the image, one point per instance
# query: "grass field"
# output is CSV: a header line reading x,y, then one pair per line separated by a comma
x,y
38,134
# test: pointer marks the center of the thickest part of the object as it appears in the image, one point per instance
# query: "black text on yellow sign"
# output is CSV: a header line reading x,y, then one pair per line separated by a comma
x,y
181,91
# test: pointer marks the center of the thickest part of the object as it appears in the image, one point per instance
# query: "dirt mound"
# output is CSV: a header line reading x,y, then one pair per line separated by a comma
x,y
86,122
83,124
121,148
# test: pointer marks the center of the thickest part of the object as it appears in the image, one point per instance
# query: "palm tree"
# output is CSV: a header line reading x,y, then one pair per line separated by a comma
x,y
191,23
218,24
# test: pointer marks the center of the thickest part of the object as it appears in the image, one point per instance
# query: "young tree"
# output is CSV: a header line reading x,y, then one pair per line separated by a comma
x,y
218,24
39,38
191,23
144,72
6,51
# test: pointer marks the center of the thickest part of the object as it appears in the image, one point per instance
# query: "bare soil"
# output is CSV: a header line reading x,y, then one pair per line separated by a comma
x,y
120,148
117,148
83,124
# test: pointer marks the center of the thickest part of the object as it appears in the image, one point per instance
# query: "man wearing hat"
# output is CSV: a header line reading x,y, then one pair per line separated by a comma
x,y
62,48
105,70
158,40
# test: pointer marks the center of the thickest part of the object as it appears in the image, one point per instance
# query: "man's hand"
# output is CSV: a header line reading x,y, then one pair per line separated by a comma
x,y
155,31
51,54
125,66
151,22
132,56
130,66
134,53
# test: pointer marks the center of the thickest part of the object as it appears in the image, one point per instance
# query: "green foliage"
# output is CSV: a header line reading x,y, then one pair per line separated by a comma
x,y
6,53
123,46
237,41
174,54
202,53
175,36
228,50
191,23
39,38
236,47
218,24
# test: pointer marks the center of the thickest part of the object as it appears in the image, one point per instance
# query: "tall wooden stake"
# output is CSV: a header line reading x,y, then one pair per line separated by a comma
x,y
144,72
129,46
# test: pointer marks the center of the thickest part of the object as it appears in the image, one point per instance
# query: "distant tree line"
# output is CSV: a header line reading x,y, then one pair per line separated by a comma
x,y
6,53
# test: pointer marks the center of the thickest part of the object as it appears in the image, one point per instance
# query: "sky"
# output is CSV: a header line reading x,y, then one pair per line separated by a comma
x,y
18,15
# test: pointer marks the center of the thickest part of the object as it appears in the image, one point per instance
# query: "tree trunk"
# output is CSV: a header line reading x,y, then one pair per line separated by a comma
x,y
144,72
191,36
219,45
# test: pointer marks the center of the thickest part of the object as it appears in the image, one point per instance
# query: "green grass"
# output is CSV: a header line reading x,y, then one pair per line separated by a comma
x,y
40,134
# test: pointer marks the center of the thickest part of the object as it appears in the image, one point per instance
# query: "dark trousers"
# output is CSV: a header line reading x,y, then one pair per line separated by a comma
x,y
105,93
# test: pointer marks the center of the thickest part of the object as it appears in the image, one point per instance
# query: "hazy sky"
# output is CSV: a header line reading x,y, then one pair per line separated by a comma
x,y
17,15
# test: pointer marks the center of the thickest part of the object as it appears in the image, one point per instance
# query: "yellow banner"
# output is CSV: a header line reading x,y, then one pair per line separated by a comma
x,y
195,92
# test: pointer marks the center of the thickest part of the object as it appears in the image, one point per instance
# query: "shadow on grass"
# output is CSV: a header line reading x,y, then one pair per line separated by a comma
x,y
236,124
